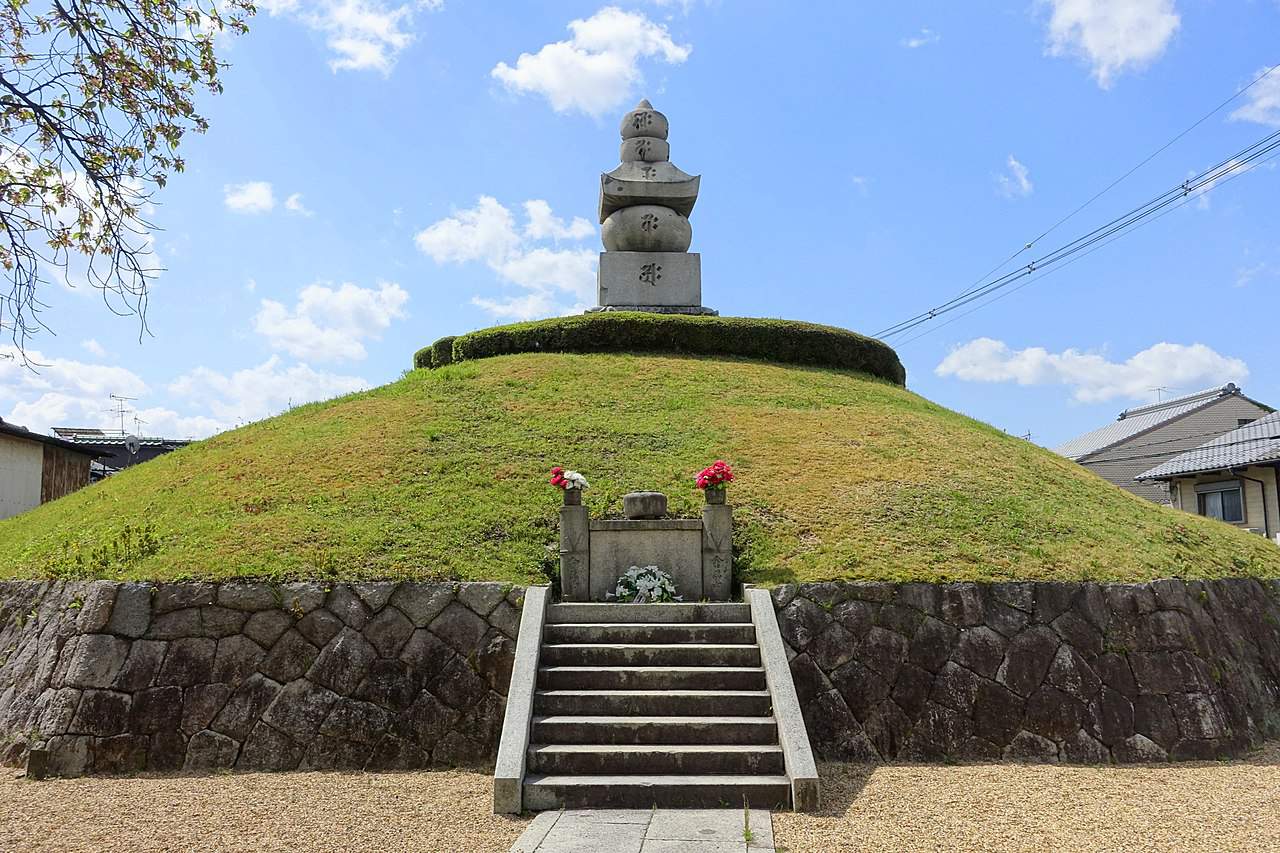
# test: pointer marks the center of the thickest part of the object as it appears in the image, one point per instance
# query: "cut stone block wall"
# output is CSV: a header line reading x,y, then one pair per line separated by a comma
x,y
117,677
1073,672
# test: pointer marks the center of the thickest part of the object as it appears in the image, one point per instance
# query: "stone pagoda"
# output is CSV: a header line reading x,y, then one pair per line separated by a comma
x,y
644,214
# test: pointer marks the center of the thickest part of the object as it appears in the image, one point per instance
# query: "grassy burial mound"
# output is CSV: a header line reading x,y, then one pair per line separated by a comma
x,y
442,474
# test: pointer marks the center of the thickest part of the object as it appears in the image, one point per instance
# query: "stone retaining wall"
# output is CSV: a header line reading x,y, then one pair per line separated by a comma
x,y
116,677
1076,672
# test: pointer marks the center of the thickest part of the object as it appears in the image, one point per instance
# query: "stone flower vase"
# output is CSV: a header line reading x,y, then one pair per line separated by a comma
x,y
573,497
715,494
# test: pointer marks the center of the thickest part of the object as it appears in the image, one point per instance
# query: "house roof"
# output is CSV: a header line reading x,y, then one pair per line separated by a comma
x,y
7,428
100,438
1258,442
1133,422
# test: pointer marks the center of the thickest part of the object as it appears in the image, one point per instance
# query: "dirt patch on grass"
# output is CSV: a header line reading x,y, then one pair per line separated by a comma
x,y
436,811
1210,806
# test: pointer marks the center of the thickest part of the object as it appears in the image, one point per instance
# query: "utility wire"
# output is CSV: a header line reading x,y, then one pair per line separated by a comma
x,y
1027,246
1203,182
1032,279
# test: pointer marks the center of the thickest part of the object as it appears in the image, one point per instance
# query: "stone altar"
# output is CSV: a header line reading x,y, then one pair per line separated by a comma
x,y
644,215
697,553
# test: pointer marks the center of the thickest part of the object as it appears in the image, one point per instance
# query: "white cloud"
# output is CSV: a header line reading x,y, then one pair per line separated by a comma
x,y
861,182
1261,270
1016,183
1263,105
543,223
67,392
364,35
1113,36
572,271
250,197
294,204
598,68
485,232
328,324
527,307
258,392
488,233
926,36
1091,376
92,347
61,391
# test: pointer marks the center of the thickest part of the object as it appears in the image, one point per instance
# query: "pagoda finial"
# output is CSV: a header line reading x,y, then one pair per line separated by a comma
x,y
644,104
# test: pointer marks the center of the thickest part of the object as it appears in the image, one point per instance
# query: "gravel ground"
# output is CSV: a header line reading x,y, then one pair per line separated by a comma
x,y
437,811
1226,806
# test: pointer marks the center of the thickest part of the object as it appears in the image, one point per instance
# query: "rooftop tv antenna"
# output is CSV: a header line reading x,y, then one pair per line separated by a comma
x,y
120,409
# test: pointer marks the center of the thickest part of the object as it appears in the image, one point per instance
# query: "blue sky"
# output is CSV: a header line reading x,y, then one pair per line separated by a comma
x,y
379,175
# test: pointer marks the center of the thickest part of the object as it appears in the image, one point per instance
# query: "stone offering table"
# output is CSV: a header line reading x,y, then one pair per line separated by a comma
x,y
697,553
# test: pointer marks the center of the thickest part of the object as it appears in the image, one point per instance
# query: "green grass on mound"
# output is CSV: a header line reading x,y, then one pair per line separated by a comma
x,y
443,474
779,341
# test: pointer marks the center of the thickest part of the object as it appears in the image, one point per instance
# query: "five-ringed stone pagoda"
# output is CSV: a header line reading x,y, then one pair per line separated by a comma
x,y
644,213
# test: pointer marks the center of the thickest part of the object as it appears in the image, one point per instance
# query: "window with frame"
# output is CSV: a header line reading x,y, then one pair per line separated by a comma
x,y
1223,501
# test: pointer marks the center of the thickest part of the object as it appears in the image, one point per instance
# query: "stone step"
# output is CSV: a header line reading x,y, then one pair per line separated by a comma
x,y
624,759
601,729
651,678
662,703
651,632
652,654
676,612
642,792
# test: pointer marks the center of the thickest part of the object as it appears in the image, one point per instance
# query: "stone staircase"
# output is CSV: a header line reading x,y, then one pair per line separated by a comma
x,y
652,705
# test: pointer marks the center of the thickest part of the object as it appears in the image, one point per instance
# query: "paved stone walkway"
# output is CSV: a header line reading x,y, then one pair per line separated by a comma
x,y
646,831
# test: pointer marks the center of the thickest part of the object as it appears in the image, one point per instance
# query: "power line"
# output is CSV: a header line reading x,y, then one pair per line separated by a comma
x,y
1205,181
1120,179
1032,279
1200,184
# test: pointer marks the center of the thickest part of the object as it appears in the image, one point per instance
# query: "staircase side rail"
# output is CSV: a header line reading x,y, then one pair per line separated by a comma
x,y
802,771
513,750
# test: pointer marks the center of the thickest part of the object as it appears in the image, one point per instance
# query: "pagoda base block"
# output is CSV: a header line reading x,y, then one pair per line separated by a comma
x,y
635,281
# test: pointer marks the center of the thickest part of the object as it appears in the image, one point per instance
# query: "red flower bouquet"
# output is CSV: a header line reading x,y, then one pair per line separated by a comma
x,y
715,476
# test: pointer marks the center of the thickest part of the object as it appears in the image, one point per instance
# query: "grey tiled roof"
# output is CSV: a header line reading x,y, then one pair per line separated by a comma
x,y
1135,421
1248,445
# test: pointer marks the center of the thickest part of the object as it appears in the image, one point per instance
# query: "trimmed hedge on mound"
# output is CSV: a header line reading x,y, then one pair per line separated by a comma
x,y
786,341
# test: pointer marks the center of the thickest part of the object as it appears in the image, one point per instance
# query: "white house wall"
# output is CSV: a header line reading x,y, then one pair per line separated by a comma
x,y
1116,465
1186,496
21,463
